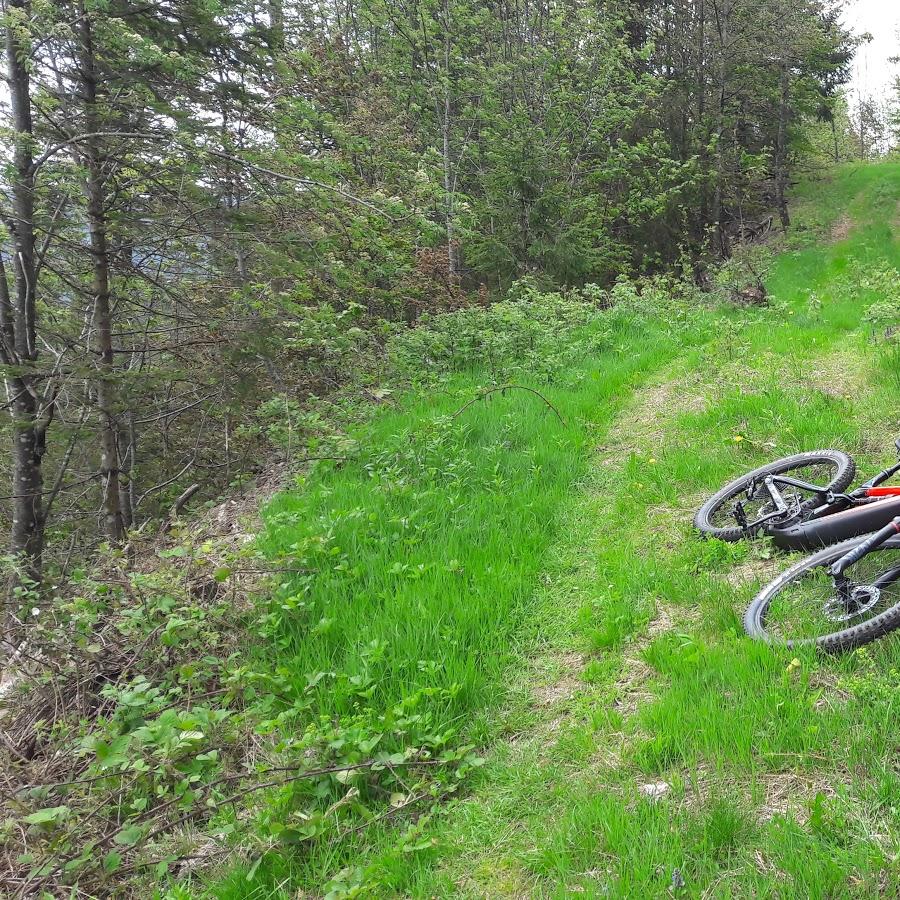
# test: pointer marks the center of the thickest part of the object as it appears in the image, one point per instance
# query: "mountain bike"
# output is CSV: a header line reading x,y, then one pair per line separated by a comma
x,y
801,502
839,598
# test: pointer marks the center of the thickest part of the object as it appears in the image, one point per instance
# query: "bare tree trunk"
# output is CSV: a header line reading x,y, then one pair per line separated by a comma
x,y
18,347
100,289
127,454
453,259
276,23
862,134
781,148
453,265
720,237
701,106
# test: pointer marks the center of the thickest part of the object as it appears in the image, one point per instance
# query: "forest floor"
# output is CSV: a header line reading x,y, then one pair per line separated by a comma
x,y
636,744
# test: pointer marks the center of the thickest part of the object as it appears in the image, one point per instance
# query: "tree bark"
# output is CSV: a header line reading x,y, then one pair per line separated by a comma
x,y
276,23
105,387
720,237
127,454
453,257
781,147
18,323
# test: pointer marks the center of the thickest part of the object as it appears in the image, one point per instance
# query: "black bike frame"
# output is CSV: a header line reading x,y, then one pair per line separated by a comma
x,y
833,502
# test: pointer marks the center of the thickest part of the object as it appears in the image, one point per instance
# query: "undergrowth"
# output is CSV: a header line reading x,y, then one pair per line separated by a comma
x,y
196,697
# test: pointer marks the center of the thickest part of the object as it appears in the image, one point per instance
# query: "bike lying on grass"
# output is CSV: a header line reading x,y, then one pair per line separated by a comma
x,y
844,595
799,501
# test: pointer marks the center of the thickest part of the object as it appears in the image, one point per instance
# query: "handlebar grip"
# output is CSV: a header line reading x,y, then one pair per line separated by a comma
x,y
870,543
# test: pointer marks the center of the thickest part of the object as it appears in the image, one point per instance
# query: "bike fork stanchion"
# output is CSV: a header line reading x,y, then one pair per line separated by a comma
x,y
867,546
881,477
846,589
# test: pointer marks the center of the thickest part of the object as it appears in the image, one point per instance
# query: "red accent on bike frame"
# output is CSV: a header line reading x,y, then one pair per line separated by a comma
x,y
883,492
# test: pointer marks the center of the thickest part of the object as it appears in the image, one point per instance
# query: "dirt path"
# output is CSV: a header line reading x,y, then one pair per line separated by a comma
x,y
567,690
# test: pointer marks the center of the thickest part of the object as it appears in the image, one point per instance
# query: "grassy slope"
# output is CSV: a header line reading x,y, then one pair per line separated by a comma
x,y
428,547
594,639
781,779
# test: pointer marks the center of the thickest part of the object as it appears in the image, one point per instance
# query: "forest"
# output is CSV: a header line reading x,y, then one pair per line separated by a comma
x,y
313,318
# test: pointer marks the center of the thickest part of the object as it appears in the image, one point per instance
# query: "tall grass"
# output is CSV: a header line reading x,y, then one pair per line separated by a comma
x,y
422,553
432,558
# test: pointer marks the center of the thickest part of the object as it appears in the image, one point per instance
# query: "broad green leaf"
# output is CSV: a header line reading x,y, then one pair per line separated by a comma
x,y
48,816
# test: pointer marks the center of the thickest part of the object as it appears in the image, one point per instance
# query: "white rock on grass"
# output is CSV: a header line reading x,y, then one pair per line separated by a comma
x,y
655,791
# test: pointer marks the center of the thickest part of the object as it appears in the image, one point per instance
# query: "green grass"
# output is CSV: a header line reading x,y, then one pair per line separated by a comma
x,y
429,544
548,579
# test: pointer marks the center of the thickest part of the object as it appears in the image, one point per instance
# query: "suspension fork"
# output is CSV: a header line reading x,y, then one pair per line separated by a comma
x,y
838,569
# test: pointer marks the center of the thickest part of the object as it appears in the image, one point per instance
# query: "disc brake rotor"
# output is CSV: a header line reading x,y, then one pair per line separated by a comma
x,y
862,599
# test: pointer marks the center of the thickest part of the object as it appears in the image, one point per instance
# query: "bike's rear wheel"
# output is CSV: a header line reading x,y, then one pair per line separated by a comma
x,y
802,608
832,469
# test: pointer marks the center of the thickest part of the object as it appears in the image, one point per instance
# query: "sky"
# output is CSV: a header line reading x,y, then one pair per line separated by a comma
x,y
873,74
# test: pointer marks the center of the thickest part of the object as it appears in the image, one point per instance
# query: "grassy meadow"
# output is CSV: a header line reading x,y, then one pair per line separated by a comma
x,y
526,565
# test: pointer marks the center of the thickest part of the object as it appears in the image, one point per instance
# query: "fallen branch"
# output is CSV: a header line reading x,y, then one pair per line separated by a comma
x,y
506,387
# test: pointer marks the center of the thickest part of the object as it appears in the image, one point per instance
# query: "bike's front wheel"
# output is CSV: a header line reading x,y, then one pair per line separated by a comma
x,y
832,469
802,607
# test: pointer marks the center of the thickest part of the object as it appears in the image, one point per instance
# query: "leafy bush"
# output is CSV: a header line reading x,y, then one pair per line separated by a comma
x,y
146,723
742,277
883,281
530,332
884,314
536,333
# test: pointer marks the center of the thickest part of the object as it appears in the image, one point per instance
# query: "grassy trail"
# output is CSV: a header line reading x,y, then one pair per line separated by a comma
x,y
637,745
774,779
